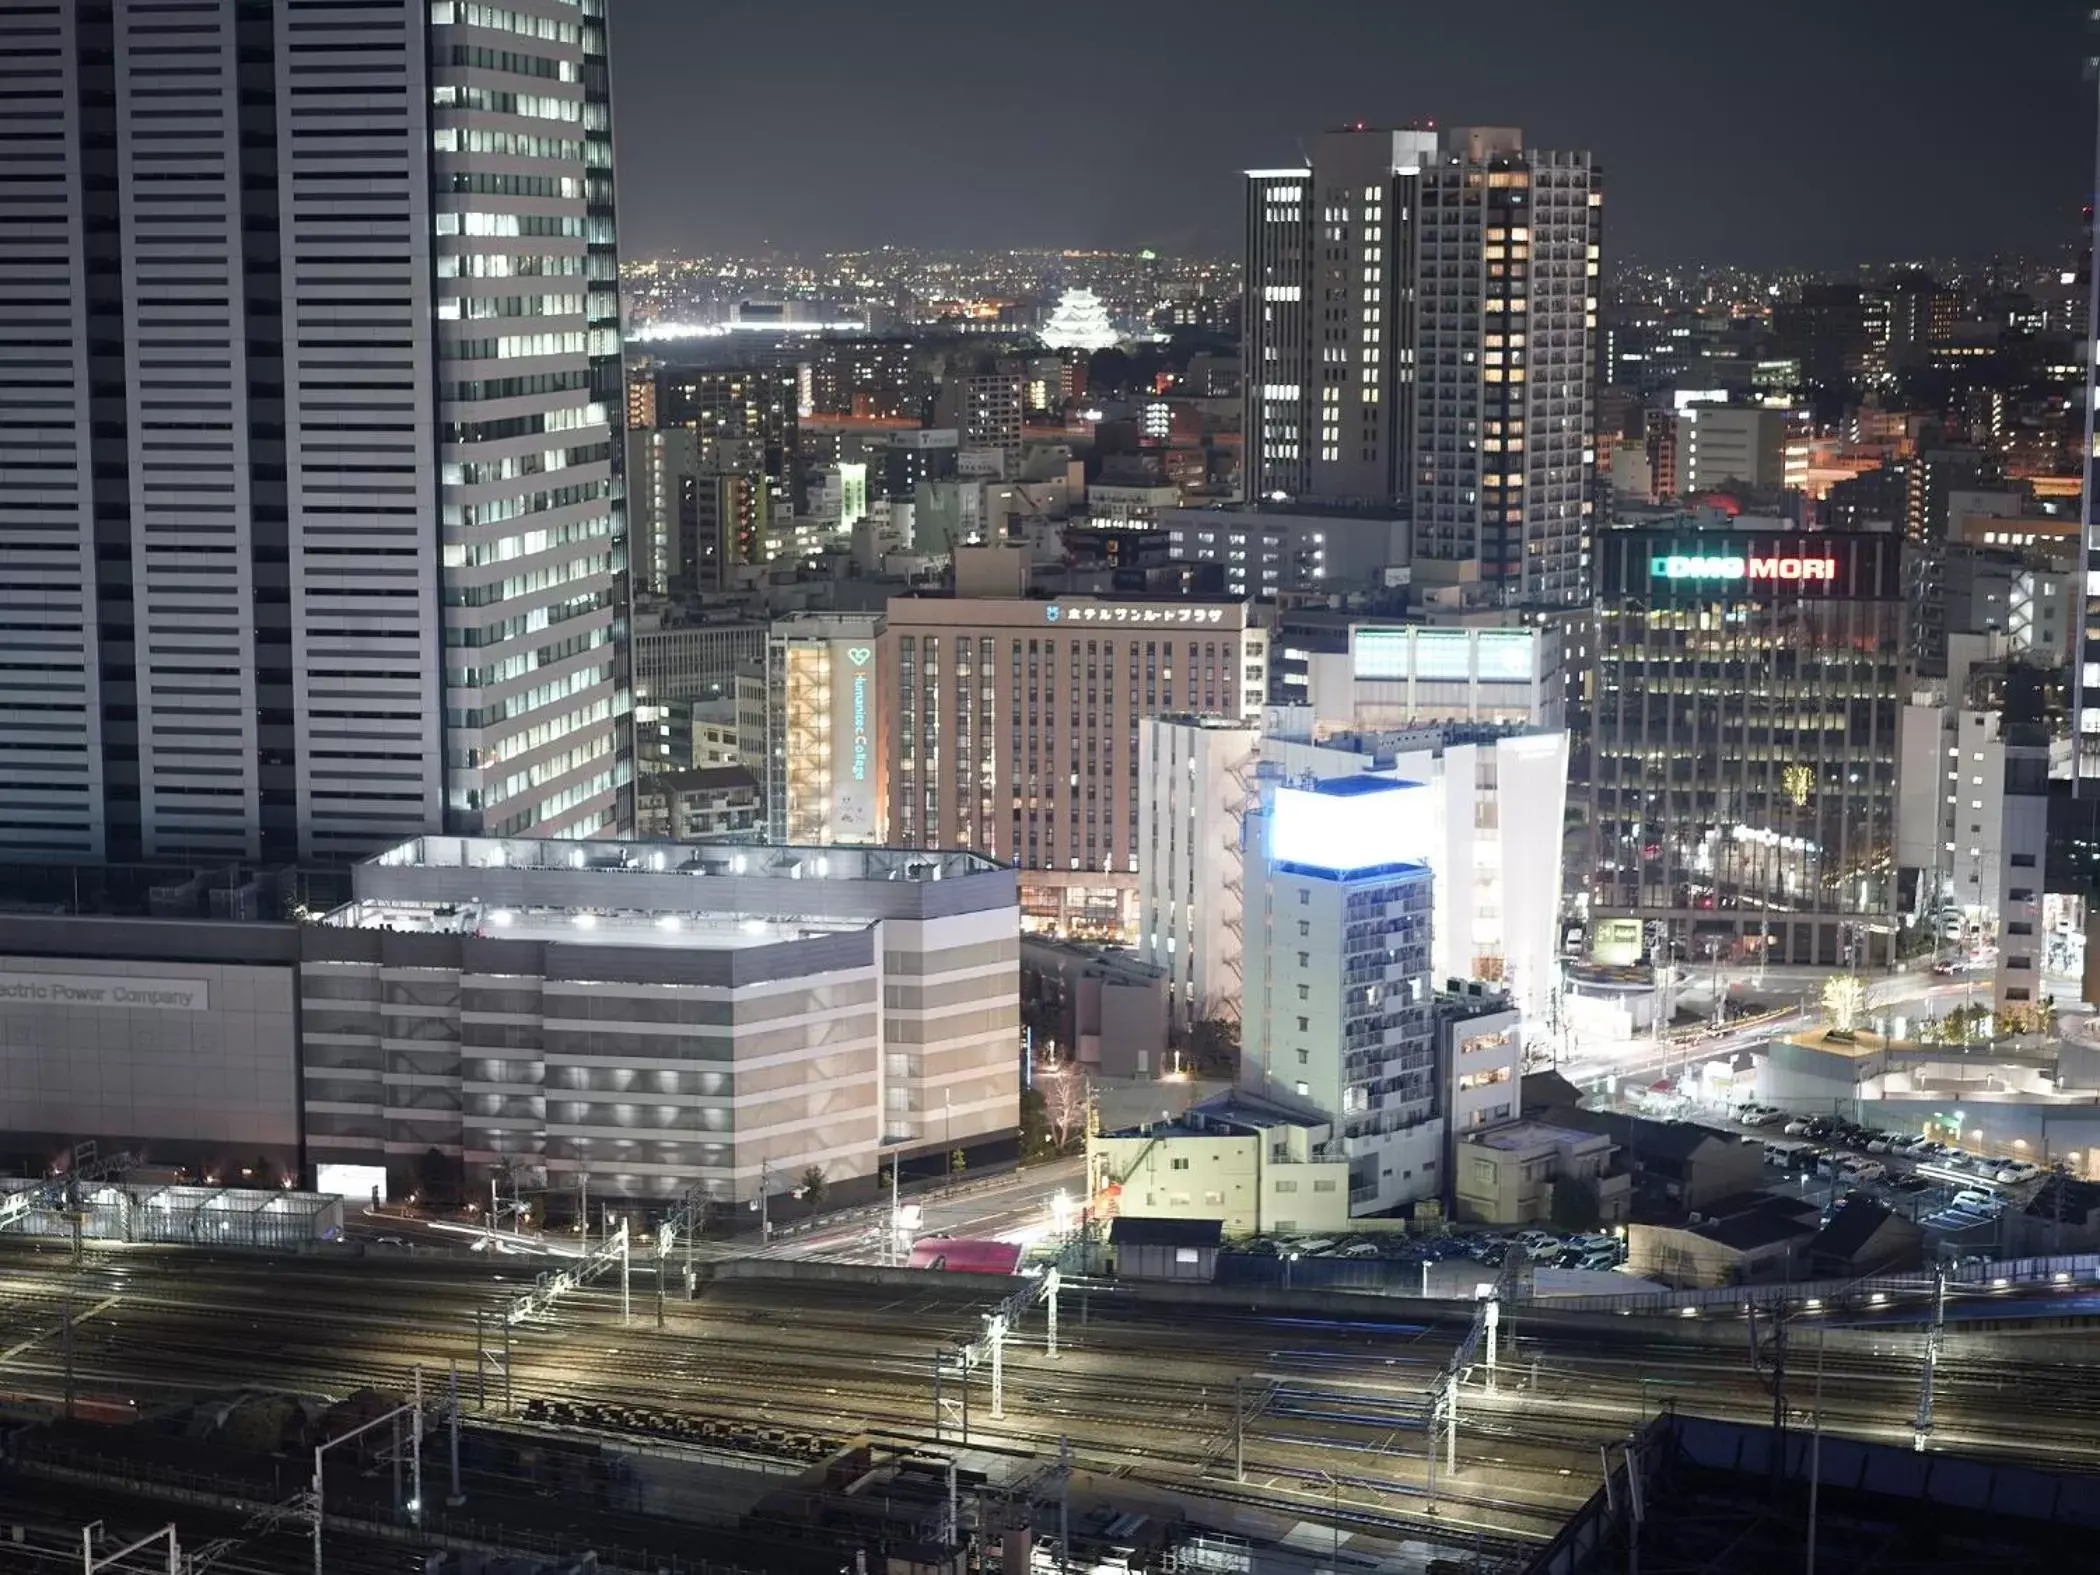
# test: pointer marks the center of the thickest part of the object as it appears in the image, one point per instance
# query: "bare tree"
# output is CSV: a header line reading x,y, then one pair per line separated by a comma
x,y
1065,1097
1845,1000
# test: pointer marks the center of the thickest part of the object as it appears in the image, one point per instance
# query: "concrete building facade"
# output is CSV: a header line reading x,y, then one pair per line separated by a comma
x,y
652,1018
1018,732
286,304
1196,783
1338,1014
1421,328
828,746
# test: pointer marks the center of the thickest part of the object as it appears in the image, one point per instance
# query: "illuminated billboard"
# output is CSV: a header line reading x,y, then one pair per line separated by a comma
x,y
855,784
1737,566
1351,824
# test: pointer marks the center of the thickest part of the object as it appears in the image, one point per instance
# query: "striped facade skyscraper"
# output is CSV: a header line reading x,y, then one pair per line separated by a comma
x,y
310,416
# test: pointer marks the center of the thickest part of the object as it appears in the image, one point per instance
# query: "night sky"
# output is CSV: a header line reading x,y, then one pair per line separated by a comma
x,y
1765,132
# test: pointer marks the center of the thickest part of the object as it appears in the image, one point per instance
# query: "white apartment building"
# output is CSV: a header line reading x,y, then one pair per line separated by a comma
x,y
283,302
1720,446
1493,808
1421,329
1338,1009
1196,782
1972,830
651,1016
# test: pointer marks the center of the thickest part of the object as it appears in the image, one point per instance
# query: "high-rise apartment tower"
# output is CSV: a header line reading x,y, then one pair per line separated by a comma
x,y
1421,332
309,413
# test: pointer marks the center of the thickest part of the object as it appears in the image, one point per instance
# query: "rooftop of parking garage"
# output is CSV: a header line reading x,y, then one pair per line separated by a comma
x,y
581,926
698,859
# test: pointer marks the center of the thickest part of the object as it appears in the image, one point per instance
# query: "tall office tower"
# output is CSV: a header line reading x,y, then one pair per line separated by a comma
x,y
1338,1006
1421,331
986,408
1744,743
747,421
663,481
299,295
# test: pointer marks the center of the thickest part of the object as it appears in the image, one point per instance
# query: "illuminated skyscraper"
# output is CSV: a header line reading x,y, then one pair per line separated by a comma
x,y
1421,332
309,304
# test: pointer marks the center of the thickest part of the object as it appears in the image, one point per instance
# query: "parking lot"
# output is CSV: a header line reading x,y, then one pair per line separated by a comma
x,y
1950,1191
1463,1248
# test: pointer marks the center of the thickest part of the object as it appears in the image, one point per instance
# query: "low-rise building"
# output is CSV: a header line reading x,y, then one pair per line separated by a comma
x,y
1257,1167
1747,1239
701,804
1165,1249
1507,1175
652,1017
1865,1236
1677,1165
1098,1005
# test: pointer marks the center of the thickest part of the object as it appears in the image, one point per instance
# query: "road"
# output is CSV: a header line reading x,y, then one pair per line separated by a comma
x,y
1005,1205
1143,1392
1924,993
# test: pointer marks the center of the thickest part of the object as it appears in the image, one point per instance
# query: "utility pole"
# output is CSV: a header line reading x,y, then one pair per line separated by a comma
x,y
1239,1431
65,1342
455,1498
1935,1344
1778,1320
1815,1455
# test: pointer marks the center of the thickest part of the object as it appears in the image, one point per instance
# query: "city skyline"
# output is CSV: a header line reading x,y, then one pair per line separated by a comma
x,y
1692,174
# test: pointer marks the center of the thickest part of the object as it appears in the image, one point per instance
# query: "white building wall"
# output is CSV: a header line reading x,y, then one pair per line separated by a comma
x,y
1195,777
1531,789
360,432
1498,810
2024,857
951,1027
205,1068
530,406
186,375
51,741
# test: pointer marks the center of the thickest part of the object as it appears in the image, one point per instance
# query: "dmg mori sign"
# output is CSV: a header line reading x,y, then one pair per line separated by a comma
x,y
1734,566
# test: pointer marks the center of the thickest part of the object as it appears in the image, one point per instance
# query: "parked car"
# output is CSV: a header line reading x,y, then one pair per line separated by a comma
x,y
1359,1249
1882,1143
1798,1127
2015,1171
1858,1170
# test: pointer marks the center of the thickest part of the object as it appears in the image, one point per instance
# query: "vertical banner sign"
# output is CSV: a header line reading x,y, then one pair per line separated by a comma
x,y
853,784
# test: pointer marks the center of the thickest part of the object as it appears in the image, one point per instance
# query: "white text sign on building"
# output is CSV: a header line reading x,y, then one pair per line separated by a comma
x,y
103,991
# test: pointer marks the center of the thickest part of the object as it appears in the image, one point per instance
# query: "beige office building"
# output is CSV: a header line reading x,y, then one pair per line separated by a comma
x,y
1016,732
